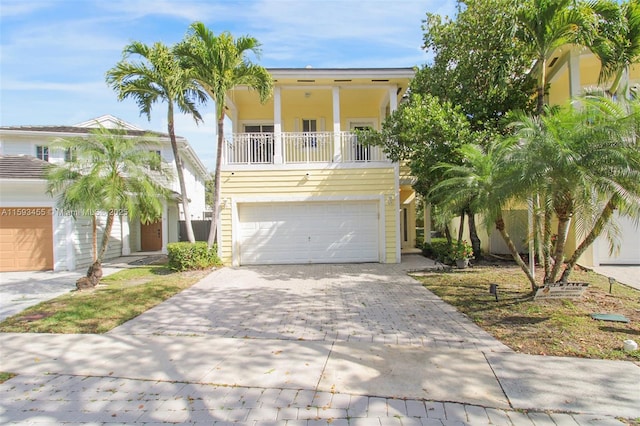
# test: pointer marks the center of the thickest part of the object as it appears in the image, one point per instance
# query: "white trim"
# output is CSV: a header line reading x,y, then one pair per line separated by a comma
x,y
307,166
354,122
235,218
397,212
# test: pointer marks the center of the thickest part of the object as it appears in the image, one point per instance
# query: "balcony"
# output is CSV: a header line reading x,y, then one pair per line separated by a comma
x,y
299,148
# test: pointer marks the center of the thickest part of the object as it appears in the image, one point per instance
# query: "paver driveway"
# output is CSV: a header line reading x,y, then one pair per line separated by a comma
x,y
343,303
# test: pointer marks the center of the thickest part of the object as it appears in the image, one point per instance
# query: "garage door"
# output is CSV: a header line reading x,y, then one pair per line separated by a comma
x,y
26,239
629,245
322,232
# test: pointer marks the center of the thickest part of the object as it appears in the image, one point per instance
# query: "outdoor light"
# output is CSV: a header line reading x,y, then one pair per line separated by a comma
x,y
493,289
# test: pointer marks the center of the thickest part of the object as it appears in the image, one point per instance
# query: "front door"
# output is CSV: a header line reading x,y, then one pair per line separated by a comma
x,y
151,236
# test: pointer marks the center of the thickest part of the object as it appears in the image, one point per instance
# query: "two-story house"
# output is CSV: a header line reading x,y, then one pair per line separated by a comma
x,y
36,235
573,71
296,184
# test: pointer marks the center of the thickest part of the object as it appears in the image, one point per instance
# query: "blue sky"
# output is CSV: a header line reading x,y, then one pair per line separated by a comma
x,y
54,53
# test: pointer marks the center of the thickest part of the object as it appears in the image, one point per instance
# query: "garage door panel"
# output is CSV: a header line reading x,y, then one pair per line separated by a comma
x,y
629,253
26,241
308,232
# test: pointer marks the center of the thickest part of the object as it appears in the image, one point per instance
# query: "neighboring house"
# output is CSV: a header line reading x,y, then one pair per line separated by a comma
x,y
296,184
573,71
35,235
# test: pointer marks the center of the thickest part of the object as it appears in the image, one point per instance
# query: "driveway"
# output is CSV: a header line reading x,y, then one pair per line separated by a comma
x,y
332,303
305,344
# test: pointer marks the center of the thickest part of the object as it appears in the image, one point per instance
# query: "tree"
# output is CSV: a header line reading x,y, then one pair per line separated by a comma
x,y
219,64
585,163
546,25
159,77
617,41
486,180
480,67
109,174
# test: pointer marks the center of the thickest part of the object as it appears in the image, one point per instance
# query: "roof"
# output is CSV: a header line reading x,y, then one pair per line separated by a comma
x,y
22,167
77,130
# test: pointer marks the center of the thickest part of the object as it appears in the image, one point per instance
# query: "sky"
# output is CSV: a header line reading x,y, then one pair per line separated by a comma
x,y
54,53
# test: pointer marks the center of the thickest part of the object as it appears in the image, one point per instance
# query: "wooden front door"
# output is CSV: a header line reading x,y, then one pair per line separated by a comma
x,y
151,236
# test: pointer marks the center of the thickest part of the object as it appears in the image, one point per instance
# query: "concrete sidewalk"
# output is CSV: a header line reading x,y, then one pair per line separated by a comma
x,y
312,344
114,375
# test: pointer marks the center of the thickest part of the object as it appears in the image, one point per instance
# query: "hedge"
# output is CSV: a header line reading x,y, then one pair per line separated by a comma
x,y
184,256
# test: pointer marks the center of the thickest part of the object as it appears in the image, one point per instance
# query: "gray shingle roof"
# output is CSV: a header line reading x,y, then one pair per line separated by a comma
x,y
22,167
79,130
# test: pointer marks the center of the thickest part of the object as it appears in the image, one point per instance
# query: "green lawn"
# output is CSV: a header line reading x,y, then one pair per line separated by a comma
x,y
119,298
551,327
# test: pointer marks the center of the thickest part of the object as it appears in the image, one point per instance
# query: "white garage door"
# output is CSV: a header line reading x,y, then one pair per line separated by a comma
x,y
317,232
629,245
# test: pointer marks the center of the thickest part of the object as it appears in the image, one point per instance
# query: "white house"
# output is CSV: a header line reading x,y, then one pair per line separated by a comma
x,y
36,235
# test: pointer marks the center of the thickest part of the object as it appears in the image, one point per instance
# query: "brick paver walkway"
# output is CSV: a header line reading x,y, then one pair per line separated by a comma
x,y
346,303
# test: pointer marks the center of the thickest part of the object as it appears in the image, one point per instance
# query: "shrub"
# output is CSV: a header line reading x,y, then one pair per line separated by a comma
x,y
186,256
438,249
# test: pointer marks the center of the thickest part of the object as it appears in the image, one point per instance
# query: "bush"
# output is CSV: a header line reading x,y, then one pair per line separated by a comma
x,y
186,256
438,249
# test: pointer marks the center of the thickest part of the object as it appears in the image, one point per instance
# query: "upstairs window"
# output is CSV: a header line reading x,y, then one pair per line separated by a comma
x,y
42,152
157,159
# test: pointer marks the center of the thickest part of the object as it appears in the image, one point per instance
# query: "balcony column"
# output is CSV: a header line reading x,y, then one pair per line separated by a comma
x,y
575,88
277,126
393,98
337,142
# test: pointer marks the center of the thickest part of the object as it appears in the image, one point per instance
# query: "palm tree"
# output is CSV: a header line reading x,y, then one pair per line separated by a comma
x,y
219,64
579,159
617,43
487,182
545,25
159,77
112,174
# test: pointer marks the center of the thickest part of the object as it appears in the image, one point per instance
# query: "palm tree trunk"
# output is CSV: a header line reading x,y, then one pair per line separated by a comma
x,y
595,232
180,171
447,234
461,228
546,243
473,236
542,82
564,220
106,235
215,215
94,238
514,251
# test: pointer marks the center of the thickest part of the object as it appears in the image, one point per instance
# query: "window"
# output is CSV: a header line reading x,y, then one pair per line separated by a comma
x,y
42,152
70,155
308,128
157,160
261,144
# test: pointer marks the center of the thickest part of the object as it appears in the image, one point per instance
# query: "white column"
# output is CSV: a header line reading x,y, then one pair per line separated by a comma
x,y
165,226
575,88
277,126
337,143
124,228
393,98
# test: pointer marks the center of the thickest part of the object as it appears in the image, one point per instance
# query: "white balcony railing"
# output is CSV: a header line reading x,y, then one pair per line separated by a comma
x,y
299,148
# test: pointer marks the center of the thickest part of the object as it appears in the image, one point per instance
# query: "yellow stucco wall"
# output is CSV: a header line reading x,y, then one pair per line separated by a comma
x,y
334,184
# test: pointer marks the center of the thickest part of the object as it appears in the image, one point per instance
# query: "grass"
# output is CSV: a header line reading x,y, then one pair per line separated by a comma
x,y
549,327
119,298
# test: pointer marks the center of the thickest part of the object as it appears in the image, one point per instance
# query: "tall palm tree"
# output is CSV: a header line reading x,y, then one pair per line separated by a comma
x,y
219,64
159,77
545,25
110,174
617,43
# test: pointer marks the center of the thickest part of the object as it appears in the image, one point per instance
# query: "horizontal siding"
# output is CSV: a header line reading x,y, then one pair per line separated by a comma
x,y
280,184
83,243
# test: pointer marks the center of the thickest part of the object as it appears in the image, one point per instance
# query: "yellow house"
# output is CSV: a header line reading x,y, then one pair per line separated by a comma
x,y
573,71
296,184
